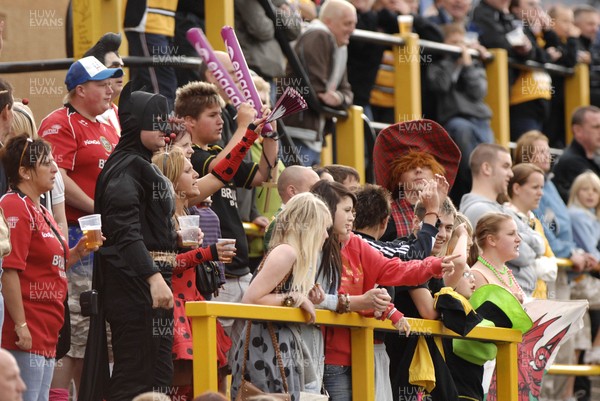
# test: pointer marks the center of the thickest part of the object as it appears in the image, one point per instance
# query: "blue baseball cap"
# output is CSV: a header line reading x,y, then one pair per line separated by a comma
x,y
89,69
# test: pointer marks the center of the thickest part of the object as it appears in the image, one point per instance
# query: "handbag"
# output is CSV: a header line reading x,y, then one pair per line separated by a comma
x,y
208,279
248,390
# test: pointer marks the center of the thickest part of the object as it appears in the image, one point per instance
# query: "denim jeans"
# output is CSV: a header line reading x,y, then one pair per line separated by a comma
x,y
80,280
522,122
308,157
337,380
36,372
467,133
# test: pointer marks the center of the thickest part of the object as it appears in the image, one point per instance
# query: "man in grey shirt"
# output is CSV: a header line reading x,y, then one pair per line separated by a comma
x,y
491,171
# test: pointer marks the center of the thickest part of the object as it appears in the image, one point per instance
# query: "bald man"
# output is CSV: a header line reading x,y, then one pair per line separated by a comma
x,y
293,180
322,49
12,386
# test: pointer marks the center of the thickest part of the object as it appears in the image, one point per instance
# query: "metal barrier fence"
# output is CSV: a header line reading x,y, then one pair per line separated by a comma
x,y
204,326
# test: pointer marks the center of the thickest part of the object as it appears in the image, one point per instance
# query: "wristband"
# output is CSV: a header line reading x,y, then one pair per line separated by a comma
x,y
437,216
20,326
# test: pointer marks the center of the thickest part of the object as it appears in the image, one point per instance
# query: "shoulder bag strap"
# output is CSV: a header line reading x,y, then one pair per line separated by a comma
x,y
248,326
278,354
275,347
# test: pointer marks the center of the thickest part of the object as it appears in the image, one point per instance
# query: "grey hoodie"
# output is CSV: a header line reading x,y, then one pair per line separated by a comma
x,y
532,245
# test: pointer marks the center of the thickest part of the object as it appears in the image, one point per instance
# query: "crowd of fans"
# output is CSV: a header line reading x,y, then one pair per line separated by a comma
x,y
452,212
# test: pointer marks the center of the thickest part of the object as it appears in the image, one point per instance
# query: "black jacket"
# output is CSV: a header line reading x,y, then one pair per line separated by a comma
x,y
570,164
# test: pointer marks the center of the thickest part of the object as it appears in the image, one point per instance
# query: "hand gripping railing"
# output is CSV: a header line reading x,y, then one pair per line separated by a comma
x,y
204,327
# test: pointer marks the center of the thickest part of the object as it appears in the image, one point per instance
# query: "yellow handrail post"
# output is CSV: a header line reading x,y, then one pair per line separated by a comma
x,y
507,376
218,14
89,22
407,79
577,93
327,151
497,95
205,354
350,140
363,366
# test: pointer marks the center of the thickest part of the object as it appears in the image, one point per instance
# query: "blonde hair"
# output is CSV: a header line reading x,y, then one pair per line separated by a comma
x,y
587,178
458,220
170,162
23,121
302,225
152,396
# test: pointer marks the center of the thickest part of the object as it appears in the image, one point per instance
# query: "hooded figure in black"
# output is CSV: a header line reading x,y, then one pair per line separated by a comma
x,y
136,203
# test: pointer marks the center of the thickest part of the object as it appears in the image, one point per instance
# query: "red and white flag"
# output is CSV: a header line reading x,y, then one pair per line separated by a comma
x,y
554,322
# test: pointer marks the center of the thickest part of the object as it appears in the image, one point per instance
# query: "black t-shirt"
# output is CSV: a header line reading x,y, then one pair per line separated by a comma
x,y
224,204
467,376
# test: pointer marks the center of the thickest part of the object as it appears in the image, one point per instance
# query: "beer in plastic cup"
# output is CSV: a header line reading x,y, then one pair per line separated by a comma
x,y
230,242
189,226
91,226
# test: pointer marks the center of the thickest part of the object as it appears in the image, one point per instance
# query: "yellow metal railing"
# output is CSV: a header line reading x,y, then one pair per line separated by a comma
x,y
577,93
564,263
497,95
204,326
407,79
350,140
256,237
575,370
572,370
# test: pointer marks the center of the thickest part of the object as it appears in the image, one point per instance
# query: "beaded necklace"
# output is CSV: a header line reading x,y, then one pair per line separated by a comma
x,y
496,272
511,278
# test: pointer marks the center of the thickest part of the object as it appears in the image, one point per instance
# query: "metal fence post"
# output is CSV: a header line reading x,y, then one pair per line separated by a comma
x,y
363,366
407,79
497,95
577,93
204,342
350,140
507,375
218,14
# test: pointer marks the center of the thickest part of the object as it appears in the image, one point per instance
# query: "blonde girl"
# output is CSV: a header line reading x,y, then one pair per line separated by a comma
x,y
284,278
584,210
497,239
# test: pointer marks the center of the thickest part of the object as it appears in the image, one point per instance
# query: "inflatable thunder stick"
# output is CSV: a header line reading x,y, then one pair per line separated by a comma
x,y
242,72
197,39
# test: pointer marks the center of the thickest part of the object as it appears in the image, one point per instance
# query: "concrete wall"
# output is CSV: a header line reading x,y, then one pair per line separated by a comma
x,y
35,30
